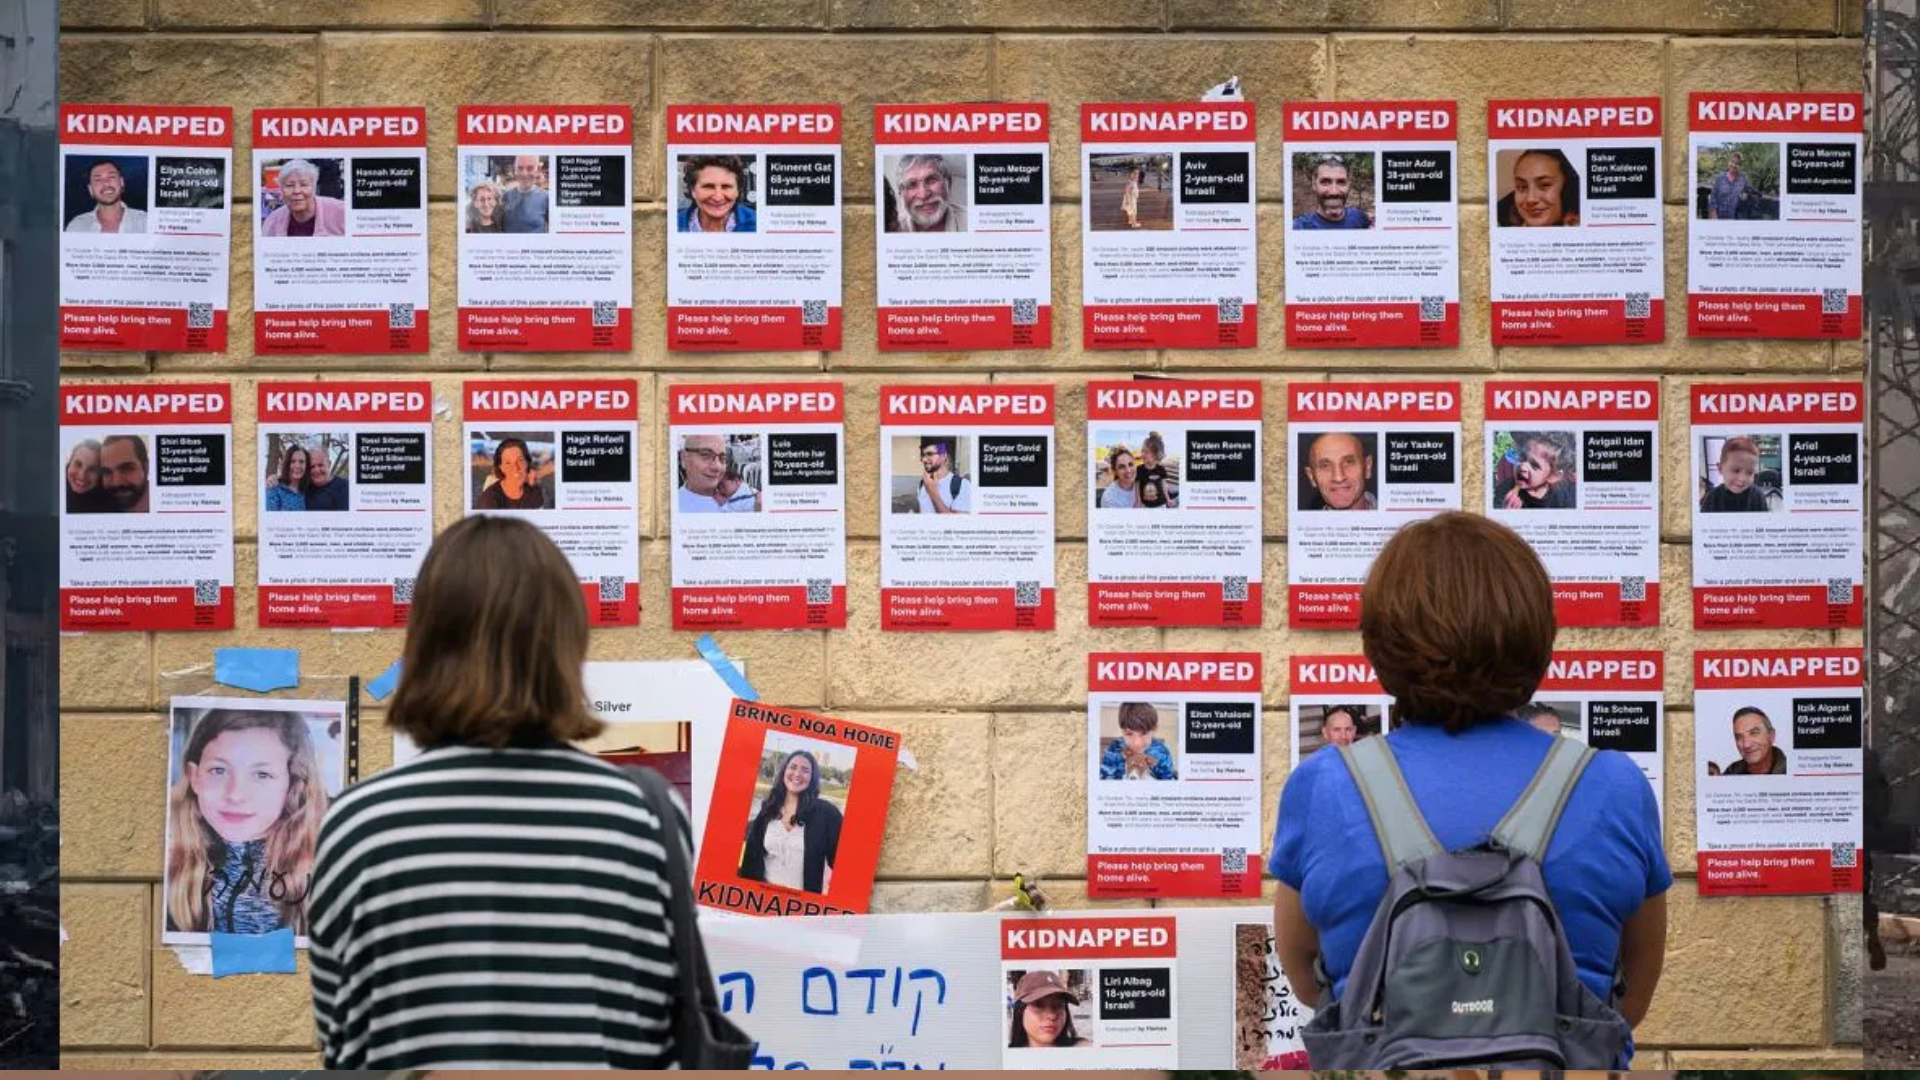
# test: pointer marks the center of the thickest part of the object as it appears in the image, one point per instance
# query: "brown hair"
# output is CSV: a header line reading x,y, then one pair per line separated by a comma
x,y
1457,619
1739,444
495,641
1138,716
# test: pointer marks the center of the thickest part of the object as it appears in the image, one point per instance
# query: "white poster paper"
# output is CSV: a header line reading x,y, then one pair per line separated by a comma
x,y
1100,988
1333,701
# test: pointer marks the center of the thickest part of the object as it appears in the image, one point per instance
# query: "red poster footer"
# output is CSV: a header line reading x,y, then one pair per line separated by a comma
x,y
1774,607
1112,877
768,607
1182,603
136,329
507,329
1168,326
369,331
1770,315
333,606
905,329
1370,326
1323,607
962,609
1774,873
607,612
146,608
1577,322
1598,603
718,329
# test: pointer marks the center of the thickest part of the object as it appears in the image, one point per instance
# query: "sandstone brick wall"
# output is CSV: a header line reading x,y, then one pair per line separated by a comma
x,y
1763,983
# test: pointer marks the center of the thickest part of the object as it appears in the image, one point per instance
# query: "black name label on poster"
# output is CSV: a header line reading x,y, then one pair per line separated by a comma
x,y
390,457
596,457
1617,457
1225,456
800,180
190,460
1826,723
1136,993
1213,177
1008,179
1416,176
1828,458
1014,461
1220,727
189,183
1627,726
797,458
1821,169
1620,172
1423,457
592,180
387,184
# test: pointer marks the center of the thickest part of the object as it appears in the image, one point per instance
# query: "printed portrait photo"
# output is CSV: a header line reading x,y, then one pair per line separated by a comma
x,y
1756,740
248,782
716,193
1139,740
930,474
799,804
1534,470
305,470
1338,470
925,192
106,475
1049,1007
511,469
1740,474
719,474
1534,188
1135,469
1737,181
1319,726
505,193
302,197
1552,717
1333,191
104,193
1130,191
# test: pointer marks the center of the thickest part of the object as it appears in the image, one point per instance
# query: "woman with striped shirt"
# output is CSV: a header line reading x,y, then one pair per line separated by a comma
x,y
502,900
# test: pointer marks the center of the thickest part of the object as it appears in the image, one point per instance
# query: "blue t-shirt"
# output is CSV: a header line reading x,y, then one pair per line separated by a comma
x,y
1605,860
1352,219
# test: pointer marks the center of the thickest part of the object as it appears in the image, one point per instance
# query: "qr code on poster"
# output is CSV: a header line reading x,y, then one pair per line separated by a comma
x,y
1839,590
813,313
1026,594
199,316
613,589
606,313
399,316
403,590
1026,311
1231,310
1433,309
1639,305
1833,301
1633,588
206,592
1233,860
1234,588
1846,855
819,590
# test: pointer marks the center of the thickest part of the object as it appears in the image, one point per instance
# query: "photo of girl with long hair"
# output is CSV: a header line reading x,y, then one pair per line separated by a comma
x,y
248,784
801,795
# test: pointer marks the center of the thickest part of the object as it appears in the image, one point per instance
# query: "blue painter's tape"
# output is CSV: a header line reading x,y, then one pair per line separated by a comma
x,y
259,670
723,667
252,954
382,684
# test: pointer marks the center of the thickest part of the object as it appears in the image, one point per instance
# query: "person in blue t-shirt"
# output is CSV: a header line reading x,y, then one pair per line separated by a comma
x,y
1457,619
1331,189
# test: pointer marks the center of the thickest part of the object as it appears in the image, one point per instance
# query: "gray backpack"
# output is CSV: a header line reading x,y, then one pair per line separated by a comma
x,y
1465,963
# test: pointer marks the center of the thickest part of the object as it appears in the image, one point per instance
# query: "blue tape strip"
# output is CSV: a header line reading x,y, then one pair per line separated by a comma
x,y
723,667
252,954
259,670
382,684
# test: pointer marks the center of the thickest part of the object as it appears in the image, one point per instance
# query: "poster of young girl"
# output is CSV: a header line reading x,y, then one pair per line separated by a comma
x,y
248,782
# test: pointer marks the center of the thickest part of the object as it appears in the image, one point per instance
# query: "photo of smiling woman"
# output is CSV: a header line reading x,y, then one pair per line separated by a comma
x,y
85,494
1541,189
248,784
716,193
511,478
1045,1004
793,837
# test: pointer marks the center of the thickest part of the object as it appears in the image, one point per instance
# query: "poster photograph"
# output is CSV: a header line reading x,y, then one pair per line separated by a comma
x,y
1779,504
340,231
1267,1018
759,507
1778,756
798,809
1610,700
146,223
1368,458
248,782
1173,503
1774,215
546,228
754,240
1574,468
1373,224
1576,229
964,241
1168,226
1189,725
345,510
1100,988
564,454
146,508
1333,701
966,507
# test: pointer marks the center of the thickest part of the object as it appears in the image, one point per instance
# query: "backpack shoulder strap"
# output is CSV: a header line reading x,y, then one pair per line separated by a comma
x,y
953,485
1398,824
1528,827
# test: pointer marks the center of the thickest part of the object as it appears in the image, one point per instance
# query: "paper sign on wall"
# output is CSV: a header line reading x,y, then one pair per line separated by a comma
x,y
1100,988
1333,701
1610,700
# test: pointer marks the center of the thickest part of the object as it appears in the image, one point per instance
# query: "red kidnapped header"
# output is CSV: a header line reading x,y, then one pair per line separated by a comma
x,y
1574,118
1332,675
1174,121
586,399
1769,669
147,125
347,403
980,406
1371,121
1113,938
747,125
1800,403
1600,669
1237,672
983,123
773,403
307,128
1435,402
535,125
1168,399
1572,400
1840,114
152,406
